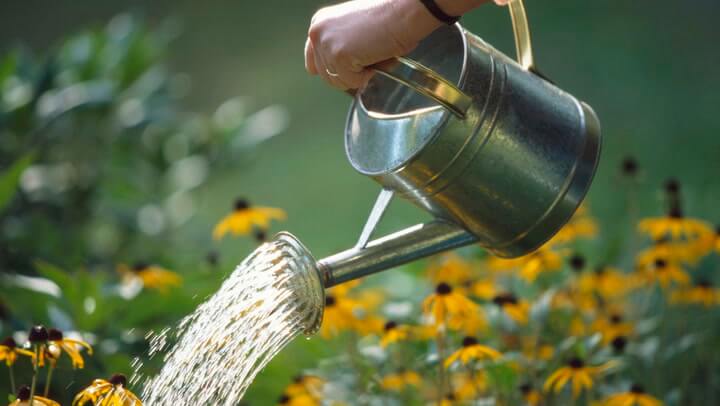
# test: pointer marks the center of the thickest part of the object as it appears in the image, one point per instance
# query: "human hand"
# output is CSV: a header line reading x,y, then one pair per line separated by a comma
x,y
345,39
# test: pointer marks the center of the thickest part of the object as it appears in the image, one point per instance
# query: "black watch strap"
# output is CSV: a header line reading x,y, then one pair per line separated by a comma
x,y
437,12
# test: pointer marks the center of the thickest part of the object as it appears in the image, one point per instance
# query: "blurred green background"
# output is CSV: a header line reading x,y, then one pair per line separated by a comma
x,y
648,68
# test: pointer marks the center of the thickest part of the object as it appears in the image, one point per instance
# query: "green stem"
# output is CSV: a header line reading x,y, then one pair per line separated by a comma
x,y
35,371
49,379
12,379
441,365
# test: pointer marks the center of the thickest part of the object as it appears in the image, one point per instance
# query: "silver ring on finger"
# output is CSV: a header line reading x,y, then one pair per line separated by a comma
x,y
331,73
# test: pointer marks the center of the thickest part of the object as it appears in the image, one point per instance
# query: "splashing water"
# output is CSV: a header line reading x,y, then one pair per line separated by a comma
x,y
272,296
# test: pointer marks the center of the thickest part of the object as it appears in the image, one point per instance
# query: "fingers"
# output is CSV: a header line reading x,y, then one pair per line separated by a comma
x,y
310,58
502,2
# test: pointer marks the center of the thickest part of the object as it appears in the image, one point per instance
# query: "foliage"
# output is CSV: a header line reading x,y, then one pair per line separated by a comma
x,y
99,167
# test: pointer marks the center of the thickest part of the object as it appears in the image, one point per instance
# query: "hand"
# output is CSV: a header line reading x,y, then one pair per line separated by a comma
x,y
347,38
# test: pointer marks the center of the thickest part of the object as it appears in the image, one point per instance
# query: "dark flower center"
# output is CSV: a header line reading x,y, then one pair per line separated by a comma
x,y
118,379
298,378
672,186
618,343
390,325
55,334
660,263
23,393
284,399
139,266
576,363
525,388
241,204
637,388
675,212
212,258
450,396
504,299
616,319
704,283
9,342
329,301
629,166
443,289
717,229
577,262
469,341
260,236
38,334
600,270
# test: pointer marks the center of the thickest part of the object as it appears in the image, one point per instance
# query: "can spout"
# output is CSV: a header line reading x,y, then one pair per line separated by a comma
x,y
401,247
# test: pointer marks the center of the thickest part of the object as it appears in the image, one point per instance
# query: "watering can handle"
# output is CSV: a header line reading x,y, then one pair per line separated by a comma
x,y
429,83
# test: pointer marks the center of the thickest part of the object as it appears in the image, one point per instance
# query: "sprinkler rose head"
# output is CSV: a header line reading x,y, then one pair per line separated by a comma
x,y
310,289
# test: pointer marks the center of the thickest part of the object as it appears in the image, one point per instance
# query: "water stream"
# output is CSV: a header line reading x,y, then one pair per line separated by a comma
x,y
272,296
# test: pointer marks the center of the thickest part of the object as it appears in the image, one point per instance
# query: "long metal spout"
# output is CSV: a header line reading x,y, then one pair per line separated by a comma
x,y
392,250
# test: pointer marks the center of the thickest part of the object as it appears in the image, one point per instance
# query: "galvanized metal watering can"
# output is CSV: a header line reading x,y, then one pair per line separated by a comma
x,y
496,152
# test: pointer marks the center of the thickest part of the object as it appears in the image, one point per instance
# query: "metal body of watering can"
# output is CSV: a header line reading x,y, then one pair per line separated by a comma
x,y
498,154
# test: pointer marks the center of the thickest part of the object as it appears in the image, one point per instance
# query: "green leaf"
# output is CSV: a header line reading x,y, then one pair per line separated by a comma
x,y
55,274
9,180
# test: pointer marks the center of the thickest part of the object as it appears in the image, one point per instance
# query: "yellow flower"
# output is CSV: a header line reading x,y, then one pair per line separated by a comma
x,y
484,290
448,400
450,268
338,315
299,400
702,293
57,344
245,217
535,350
151,276
635,397
612,327
664,272
398,381
448,307
306,385
474,324
531,265
107,393
366,324
23,399
392,333
469,386
472,350
580,375
688,253
517,310
9,351
675,226
531,396
581,225
607,282
585,302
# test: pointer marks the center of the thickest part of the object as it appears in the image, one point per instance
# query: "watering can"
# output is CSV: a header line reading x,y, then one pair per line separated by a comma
x,y
497,153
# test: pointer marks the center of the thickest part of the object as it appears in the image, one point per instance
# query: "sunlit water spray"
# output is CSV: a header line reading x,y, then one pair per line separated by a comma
x,y
274,295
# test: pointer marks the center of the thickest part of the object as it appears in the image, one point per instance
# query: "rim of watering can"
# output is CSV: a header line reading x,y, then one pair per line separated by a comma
x,y
312,291
362,147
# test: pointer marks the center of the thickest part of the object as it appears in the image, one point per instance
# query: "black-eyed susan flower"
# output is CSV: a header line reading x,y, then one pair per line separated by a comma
x,y
674,225
702,293
366,323
245,218
299,400
111,393
629,167
581,225
400,380
449,399
9,351
450,268
611,327
23,399
636,396
575,300
472,350
665,272
530,395
393,333
448,307
531,265
57,344
38,337
516,309
484,289
535,349
607,282
338,315
306,384
577,373
151,276
468,386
